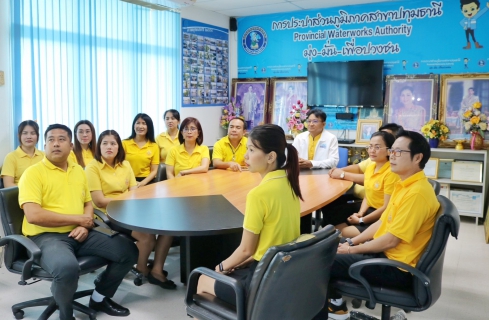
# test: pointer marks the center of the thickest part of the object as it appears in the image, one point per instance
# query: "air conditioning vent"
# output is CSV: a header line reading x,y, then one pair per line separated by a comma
x,y
163,5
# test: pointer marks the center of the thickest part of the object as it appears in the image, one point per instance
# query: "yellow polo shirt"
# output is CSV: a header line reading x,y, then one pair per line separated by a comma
x,y
313,142
87,156
224,151
63,192
410,216
181,160
165,143
358,190
273,212
111,181
379,184
17,161
141,159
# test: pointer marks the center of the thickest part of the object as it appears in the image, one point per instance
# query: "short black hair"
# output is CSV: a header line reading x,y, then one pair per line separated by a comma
x,y
417,145
464,2
242,119
318,113
394,127
58,126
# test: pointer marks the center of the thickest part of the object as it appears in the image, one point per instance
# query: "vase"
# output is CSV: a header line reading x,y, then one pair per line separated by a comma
x,y
476,141
434,142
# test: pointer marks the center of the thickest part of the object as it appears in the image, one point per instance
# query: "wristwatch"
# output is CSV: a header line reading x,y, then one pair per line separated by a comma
x,y
342,175
350,242
360,222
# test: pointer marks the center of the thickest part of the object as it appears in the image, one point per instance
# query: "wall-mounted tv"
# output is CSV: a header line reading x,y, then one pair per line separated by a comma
x,y
345,83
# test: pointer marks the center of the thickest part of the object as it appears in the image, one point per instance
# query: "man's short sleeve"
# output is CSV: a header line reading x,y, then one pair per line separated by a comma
x,y
30,187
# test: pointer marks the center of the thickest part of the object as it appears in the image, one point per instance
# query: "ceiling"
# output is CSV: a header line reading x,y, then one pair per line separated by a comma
x,y
241,8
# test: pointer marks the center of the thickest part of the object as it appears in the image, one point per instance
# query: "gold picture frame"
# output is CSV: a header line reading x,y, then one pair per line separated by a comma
x,y
285,92
252,95
455,97
365,129
431,168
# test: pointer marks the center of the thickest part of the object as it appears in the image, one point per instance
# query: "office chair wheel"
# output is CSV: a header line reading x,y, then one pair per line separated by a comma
x,y
19,314
356,303
138,281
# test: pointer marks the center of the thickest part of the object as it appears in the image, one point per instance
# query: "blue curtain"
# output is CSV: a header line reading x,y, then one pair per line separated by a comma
x,y
104,61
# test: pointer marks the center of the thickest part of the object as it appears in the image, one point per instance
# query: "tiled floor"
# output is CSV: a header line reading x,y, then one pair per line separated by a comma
x,y
465,287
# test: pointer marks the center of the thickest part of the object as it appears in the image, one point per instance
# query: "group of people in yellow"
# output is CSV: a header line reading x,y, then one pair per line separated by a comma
x,y
397,213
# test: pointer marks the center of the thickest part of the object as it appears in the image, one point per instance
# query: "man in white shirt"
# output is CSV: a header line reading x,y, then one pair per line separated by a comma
x,y
317,147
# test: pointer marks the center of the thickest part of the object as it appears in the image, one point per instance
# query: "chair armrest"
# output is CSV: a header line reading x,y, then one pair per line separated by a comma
x,y
102,216
356,269
32,249
237,287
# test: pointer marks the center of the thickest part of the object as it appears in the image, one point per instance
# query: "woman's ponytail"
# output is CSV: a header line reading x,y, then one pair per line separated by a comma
x,y
292,168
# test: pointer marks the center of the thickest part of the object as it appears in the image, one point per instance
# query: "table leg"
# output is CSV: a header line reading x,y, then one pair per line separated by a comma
x,y
306,224
205,251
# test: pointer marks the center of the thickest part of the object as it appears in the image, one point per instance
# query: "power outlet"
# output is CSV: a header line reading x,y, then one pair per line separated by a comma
x,y
2,78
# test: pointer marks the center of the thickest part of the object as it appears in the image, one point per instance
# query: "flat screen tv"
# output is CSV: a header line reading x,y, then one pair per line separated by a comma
x,y
345,83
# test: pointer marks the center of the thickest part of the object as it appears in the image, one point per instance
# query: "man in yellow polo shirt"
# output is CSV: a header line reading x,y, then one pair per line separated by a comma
x,y
228,153
59,217
404,229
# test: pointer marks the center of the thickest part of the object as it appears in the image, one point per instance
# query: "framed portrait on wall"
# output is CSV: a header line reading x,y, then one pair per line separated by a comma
x,y
458,93
284,93
373,113
411,100
252,96
365,129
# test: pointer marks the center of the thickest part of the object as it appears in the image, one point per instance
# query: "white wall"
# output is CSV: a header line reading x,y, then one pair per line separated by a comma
x,y
6,130
209,116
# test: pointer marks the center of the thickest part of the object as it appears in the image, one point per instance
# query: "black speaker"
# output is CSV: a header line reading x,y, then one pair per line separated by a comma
x,y
233,24
344,116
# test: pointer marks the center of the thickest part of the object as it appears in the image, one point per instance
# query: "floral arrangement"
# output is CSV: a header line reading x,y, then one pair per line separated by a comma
x,y
229,112
296,122
474,120
435,129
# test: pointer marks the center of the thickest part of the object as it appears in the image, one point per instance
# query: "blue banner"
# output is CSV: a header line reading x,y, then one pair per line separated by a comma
x,y
412,37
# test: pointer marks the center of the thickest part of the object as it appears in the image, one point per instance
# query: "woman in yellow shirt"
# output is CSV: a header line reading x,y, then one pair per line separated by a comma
x,y
167,140
272,214
379,182
190,156
24,156
108,176
85,143
142,152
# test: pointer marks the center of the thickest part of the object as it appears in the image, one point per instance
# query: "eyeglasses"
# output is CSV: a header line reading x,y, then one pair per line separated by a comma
x,y
191,129
376,148
312,121
396,152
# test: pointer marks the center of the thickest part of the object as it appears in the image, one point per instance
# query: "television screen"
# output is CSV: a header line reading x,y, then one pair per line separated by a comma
x,y
345,83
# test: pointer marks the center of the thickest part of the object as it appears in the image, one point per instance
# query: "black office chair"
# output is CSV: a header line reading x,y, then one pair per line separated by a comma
x,y
436,186
427,275
161,173
211,150
22,256
290,282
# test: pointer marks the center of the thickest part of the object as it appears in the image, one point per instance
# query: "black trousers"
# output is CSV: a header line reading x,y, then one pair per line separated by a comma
x,y
471,32
59,254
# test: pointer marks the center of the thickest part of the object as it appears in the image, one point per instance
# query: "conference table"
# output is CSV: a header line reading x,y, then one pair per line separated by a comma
x,y
206,210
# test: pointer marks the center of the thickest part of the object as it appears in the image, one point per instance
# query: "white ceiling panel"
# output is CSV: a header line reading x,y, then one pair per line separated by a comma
x,y
265,9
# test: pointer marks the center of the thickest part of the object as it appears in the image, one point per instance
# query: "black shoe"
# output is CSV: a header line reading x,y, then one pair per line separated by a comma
x,y
165,273
109,307
168,284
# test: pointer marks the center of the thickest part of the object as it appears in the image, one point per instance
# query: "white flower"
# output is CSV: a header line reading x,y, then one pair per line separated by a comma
x,y
467,126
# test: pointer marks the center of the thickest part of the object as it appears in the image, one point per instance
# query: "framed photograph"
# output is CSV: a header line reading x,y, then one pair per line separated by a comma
x,y
365,129
411,100
468,171
285,92
466,201
252,95
431,168
373,113
458,93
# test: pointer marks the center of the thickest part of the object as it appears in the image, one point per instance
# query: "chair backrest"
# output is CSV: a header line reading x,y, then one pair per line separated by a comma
x,y
343,153
11,216
1,183
211,150
161,173
290,281
431,262
436,186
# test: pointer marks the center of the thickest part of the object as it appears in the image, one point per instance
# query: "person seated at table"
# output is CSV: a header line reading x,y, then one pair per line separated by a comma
x,y
354,218
317,147
109,175
190,156
169,139
141,150
272,208
59,219
26,154
229,152
85,142
402,232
